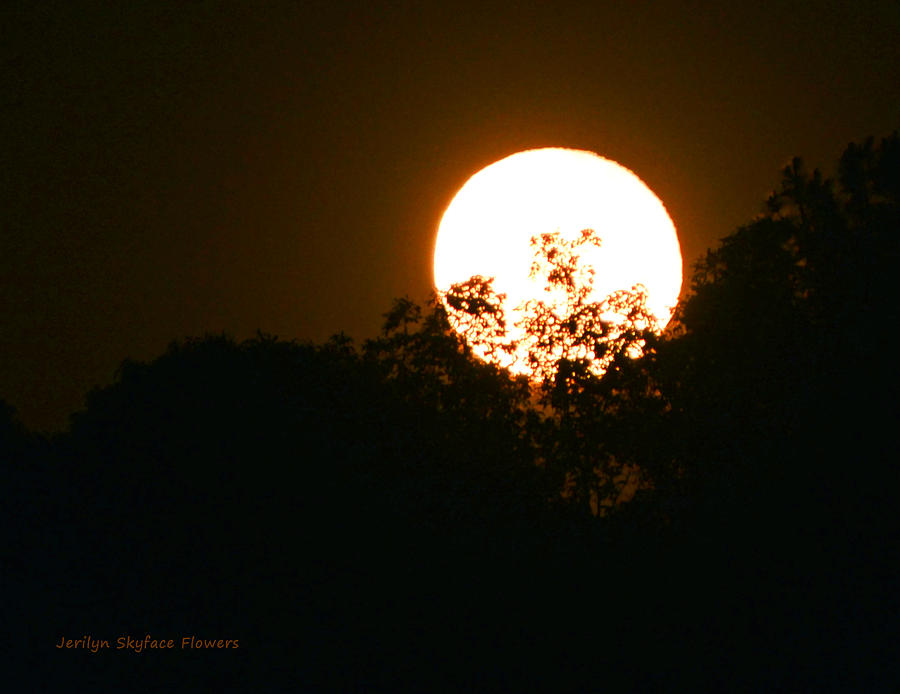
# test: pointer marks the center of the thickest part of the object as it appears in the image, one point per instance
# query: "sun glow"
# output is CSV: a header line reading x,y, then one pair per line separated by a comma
x,y
488,227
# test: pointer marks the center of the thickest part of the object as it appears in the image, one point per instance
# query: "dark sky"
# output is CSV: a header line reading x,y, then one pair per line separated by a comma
x,y
171,169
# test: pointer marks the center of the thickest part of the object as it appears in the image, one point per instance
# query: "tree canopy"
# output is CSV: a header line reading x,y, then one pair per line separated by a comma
x,y
404,503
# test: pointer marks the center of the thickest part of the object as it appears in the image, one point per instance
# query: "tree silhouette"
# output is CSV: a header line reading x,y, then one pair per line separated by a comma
x,y
351,510
565,328
781,355
565,340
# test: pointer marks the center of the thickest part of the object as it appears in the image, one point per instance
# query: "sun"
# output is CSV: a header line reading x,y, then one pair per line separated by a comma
x,y
488,228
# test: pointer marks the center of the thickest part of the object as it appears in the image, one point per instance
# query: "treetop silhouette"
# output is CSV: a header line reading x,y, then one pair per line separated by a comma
x,y
565,326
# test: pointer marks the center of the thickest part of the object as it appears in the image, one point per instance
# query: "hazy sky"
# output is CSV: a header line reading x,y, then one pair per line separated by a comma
x,y
171,169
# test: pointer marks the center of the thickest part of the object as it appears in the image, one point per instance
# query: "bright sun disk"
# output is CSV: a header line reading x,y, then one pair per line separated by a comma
x,y
488,227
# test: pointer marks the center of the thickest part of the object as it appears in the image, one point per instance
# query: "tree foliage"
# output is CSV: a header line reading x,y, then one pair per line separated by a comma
x,y
404,499
565,340
781,361
564,327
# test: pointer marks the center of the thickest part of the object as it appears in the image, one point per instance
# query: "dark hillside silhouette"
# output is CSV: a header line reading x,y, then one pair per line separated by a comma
x,y
718,514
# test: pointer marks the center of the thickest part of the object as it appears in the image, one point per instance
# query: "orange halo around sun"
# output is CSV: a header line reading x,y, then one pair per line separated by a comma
x,y
488,227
